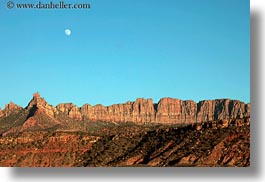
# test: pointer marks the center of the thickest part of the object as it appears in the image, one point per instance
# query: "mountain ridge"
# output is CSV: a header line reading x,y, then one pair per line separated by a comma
x,y
171,132
167,110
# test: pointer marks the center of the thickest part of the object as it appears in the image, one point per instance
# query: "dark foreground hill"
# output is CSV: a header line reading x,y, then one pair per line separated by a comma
x,y
221,143
207,144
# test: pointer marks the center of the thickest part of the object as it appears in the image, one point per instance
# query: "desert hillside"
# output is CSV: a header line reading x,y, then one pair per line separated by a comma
x,y
171,132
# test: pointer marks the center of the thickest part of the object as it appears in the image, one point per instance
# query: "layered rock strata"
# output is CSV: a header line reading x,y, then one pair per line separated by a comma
x,y
40,104
1,113
167,110
10,108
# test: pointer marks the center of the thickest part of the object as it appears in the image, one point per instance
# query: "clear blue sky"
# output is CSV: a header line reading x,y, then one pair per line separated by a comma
x,y
124,49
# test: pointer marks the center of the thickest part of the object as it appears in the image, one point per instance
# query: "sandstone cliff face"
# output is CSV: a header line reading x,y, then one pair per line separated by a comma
x,y
10,108
221,109
172,111
167,110
140,111
1,113
71,110
39,103
143,111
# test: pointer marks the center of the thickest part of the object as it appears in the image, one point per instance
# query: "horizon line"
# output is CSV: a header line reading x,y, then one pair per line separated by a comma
x,y
167,97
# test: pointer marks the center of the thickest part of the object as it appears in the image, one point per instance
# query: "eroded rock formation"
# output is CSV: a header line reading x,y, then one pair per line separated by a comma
x,y
10,108
71,110
167,110
40,104
1,113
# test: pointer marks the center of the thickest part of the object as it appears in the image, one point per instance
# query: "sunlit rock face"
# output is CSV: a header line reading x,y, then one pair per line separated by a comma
x,y
141,111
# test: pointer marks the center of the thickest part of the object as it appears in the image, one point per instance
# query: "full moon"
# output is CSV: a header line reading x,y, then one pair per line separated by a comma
x,y
67,32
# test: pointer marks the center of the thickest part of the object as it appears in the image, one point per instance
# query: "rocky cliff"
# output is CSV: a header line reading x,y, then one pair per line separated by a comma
x,y
167,110
10,108
39,104
214,133
1,113
71,110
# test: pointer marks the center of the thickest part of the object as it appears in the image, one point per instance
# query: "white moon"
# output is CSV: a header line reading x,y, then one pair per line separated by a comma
x,y
67,32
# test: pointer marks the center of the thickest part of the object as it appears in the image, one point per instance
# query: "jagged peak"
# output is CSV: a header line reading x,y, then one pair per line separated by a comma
x,y
36,95
37,100
12,106
1,113
39,105
144,110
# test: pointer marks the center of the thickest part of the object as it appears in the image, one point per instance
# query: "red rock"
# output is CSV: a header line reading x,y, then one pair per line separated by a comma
x,y
210,110
175,111
31,122
247,110
40,103
140,111
122,112
75,113
143,111
71,110
224,123
1,113
190,159
205,110
11,108
188,111
135,160
87,111
167,111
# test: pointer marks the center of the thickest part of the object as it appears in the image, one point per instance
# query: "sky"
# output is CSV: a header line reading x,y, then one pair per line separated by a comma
x,y
125,49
